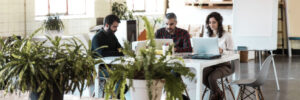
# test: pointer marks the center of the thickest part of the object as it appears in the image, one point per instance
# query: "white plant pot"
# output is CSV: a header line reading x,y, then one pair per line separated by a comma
x,y
139,89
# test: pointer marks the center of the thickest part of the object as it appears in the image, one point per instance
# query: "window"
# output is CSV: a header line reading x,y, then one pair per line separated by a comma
x,y
62,7
149,6
138,5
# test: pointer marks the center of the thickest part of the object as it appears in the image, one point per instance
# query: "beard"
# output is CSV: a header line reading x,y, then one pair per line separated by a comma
x,y
110,30
170,30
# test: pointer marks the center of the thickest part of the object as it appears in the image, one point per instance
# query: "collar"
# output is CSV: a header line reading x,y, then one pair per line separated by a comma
x,y
105,32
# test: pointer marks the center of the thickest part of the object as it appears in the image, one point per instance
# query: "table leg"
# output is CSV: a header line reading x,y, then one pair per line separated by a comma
x,y
96,83
199,71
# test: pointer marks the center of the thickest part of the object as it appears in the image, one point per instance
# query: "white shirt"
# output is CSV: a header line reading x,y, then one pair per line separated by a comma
x,y
225,42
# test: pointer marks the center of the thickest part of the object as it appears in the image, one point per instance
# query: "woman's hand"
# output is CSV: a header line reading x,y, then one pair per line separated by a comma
x,y
220,50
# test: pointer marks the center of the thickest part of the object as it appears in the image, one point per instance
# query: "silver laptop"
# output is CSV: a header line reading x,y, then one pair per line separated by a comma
x,y
137,45
205,48
160,42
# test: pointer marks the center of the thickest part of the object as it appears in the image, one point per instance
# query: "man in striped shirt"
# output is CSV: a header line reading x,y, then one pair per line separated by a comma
x,y
180,36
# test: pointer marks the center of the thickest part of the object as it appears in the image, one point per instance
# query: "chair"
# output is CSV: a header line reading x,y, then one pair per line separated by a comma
x,y
254,83
100,88
224,85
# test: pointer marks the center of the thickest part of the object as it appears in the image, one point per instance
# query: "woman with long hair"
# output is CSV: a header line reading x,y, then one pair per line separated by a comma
x,y
211,74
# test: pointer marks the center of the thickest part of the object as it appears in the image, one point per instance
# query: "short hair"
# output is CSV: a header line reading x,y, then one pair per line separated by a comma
x,y
171,15
110,19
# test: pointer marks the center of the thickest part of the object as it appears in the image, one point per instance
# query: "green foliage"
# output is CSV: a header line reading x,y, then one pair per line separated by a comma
x,y
150,67
121,10
29,65
53,23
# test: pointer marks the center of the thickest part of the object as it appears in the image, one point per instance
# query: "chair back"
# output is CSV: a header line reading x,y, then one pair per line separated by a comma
x,y
263,73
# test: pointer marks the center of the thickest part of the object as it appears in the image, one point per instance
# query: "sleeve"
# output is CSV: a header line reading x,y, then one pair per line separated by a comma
x,y
117,53
186,44
97,43
229,44
157,34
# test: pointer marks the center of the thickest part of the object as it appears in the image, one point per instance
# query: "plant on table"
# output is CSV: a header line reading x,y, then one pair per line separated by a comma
x,y
147,66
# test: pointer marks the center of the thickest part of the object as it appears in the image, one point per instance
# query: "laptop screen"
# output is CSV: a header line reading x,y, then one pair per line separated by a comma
x,y
205,46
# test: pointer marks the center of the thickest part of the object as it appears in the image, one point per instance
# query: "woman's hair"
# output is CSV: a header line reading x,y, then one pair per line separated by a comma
x,y
219,19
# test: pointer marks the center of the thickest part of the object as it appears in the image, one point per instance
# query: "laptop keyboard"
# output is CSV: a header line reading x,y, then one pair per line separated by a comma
x,y
201,56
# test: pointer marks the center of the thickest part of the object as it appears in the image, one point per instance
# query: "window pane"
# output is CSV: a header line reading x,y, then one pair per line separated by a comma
x,y
41,7
58,6
138,5
155,5
151,5
77,7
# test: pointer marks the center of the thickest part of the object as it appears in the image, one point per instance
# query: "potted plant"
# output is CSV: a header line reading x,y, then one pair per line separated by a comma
x,y
152,73
47,72
53,25
121,10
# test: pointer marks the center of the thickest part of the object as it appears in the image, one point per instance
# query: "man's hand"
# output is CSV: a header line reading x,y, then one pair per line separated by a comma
x,y
120,49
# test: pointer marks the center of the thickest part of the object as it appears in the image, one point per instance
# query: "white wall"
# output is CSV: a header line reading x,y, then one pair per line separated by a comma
x,y
102,7
11,17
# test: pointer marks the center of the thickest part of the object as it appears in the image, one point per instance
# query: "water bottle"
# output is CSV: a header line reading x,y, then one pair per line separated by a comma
x,y
165,48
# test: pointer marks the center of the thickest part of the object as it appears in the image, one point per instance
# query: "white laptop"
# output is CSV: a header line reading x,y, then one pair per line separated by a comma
x,y
205,48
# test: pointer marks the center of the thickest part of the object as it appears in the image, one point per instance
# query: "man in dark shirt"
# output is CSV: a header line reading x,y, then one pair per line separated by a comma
x,y
105,43
105,38
180,36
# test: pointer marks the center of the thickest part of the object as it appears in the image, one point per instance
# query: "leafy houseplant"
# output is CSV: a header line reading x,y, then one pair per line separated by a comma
x,y
147,66
47,72
53,23
121,10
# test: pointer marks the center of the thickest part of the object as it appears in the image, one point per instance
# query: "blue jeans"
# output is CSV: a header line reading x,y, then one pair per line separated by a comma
x,y
104,74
